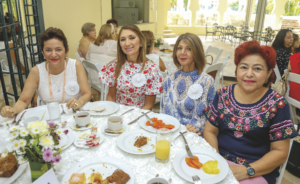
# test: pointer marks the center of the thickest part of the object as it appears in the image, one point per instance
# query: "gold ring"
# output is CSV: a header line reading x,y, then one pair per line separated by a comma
x,y
76,104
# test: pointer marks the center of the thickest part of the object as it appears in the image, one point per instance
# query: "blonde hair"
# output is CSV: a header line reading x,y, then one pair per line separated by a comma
x,y
149,36
194,42
86,28
105,32
122,57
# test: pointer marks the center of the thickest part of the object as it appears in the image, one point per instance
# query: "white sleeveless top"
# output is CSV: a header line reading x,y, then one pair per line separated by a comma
x,y
72,87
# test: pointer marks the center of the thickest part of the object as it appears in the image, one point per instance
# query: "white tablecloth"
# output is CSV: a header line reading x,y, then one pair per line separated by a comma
x,y
144,166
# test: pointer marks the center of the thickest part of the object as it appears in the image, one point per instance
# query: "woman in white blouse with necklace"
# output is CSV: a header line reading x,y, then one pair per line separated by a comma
x,y
59,79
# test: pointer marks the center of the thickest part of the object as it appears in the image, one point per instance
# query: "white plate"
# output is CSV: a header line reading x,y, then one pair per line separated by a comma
x,y
85,145
167,119
37,111
104,165
125,127
19,171
110,107
186,172
82,128
126,142
66,140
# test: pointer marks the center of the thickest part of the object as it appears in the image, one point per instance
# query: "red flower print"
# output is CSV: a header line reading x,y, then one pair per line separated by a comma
x,y
212,118
264,108
246,127
122,91
260,124
103,69
273,109
240,160
242,113
227,102
148,81
145,71
277,95
233,119
238,127
160,89
153,78
219,90
110,83
131,90
111,69
128,100
150,85
127,72
280,104
132,65
152,93
225,88
107,72
222,115
206,109
288,131
160,79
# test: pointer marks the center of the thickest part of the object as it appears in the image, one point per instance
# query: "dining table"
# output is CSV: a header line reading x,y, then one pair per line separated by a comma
x,y
144,167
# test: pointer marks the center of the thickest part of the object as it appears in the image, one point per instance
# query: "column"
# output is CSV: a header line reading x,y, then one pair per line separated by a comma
x,y
194,7
260,18
248,12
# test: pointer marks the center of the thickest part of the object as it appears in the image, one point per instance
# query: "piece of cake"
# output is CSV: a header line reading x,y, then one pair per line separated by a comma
x,y
118,177
141,141
8,166
77,178
97,177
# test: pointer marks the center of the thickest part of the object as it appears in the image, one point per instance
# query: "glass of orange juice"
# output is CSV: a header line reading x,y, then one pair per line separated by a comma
x,y
163,145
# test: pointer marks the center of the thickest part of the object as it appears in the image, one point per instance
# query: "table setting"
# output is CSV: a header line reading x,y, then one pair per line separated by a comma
x,y
103,139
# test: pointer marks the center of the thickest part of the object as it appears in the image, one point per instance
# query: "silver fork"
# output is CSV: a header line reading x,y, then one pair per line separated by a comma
x,y
196,179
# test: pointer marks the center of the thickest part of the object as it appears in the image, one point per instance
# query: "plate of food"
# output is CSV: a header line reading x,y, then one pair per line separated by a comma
x,y
66,140
166,50
137,142
38,112
89,139
88,126
110,107
210,166
10,169
106,131
99,169
160,121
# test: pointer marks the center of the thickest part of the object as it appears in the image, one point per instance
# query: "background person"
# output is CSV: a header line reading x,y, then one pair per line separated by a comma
x,y
59,79
248,123
114,22
89,35
295,45
133,80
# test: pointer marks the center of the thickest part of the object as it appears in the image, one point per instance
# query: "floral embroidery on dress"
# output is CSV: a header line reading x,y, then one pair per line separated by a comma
x,y
72,88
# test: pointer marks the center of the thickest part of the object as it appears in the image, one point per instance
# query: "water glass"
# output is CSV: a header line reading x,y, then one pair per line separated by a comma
x,y
54,111
163,145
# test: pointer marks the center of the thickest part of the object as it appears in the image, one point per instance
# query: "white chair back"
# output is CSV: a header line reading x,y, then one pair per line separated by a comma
x,y
277,73
214,50
292,77
224,61
282,169
212,68
78,57
101,59
99,86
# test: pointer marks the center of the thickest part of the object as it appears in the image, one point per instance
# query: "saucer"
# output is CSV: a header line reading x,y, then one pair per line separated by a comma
x,y
73,126
125,127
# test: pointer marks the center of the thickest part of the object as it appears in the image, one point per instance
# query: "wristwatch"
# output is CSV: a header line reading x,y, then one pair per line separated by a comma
x,y
250,170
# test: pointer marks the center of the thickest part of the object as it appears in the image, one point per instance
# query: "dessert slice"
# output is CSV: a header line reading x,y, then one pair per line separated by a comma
x,y
141,141
8,166
118,177
77,178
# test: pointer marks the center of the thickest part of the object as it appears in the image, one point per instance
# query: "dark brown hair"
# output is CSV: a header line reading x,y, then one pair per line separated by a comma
x,y
53,32
113,21
149,36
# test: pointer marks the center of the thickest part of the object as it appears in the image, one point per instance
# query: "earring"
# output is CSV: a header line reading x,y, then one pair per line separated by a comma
x,y
141,45
66,56
266,81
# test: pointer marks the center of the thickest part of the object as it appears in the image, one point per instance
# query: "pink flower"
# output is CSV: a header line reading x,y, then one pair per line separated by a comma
x,y
238,134
271,102
240,121
212,118
231,109
56,159
230,125
66,131
278,134
271,137
48,155
253,112
220,106
272,115
246,128
219,90
258,117
247,120
51,124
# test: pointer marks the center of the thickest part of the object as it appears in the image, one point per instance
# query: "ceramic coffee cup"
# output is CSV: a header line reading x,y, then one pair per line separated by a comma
x,y
158,180
115,123
82,118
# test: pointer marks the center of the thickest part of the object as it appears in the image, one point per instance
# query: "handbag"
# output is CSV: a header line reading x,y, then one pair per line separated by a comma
x,y
281,85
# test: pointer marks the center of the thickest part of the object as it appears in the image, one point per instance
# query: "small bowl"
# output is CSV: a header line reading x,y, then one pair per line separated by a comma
x,y
158,180
31,119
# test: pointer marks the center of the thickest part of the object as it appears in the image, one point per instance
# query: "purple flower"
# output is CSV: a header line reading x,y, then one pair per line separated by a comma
x,y
231,109
278,134
56,159
240,121
253,112
258,117
51,123
230,125
246,128
66,131
47,155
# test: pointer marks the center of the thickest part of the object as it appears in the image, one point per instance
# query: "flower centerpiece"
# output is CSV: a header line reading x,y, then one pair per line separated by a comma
x,y
38,144
157,42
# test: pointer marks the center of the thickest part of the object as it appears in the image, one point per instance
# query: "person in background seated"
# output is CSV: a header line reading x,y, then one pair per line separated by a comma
x,y
189,90
150,45
133,80
89,35
104,43
295,45
248,123
114,22
59,79
282,45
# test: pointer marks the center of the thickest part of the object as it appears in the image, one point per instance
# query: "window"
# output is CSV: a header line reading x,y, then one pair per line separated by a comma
x,y
270,18
292,8
207,13
179,14
236,12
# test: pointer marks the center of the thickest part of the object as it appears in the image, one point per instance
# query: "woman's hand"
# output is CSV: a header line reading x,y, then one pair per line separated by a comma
x,y
192,128
74,104
7,112
239,172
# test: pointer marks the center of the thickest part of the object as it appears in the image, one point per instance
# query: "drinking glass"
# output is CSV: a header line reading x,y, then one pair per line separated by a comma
x,y
54,111
163,145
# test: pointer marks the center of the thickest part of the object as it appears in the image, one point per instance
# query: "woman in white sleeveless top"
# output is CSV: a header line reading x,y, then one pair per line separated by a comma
x,y
59,79
89,34
150,45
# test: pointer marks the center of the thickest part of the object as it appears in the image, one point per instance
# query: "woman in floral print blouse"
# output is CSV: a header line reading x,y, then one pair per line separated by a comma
x,y
133,79
248,123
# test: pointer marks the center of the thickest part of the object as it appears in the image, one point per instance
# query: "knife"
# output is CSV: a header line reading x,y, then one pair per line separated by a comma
x,y
151,122
126,112
188,150
20,118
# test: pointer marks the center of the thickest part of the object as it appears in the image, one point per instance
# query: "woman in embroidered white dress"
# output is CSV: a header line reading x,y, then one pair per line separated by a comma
x,y
188,91
133,80
59,79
